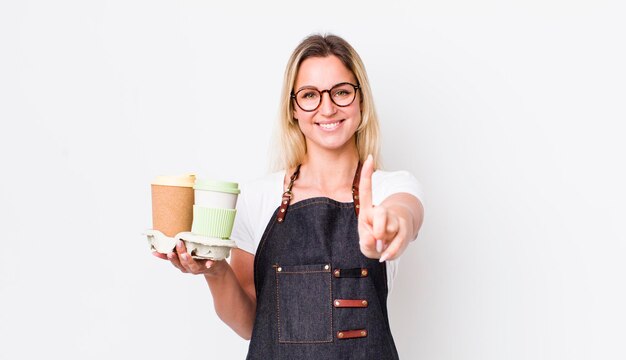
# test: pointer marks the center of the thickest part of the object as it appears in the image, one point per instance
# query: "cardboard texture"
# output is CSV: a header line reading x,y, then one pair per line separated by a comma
x,y
204,247
159,242
200,247
172,209
173,199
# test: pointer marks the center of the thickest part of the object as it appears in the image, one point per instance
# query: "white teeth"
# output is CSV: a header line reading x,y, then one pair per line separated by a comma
x,y
330,126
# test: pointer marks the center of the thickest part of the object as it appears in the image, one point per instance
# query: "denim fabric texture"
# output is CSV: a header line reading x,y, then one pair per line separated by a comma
x,y
295,286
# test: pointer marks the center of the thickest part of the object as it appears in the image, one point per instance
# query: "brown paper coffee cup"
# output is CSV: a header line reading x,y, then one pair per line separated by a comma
x,y
172,204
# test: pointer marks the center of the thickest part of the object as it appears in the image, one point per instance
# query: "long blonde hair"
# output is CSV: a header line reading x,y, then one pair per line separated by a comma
x,y
292,142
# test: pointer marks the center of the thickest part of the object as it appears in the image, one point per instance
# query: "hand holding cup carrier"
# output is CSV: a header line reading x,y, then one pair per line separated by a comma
x,y
199,212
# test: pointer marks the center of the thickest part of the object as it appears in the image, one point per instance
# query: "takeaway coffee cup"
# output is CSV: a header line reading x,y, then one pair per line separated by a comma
x,y
214,208
172,204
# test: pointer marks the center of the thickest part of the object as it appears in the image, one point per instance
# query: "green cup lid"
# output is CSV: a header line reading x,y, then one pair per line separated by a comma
x,y
214,185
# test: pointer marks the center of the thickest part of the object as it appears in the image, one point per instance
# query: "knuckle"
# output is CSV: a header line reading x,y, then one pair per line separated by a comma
x,y
380,211
362,245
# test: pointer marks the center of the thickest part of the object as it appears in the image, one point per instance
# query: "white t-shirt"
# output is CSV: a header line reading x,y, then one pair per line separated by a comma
x,y
260,198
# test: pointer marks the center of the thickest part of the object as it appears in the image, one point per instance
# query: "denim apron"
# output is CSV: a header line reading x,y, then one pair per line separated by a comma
x,y
318,296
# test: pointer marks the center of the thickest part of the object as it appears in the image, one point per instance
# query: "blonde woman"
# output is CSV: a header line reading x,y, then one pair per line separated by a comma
x,y
317,241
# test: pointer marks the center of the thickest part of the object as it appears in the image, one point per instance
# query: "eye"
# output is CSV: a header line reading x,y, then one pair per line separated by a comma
x,y
342,92
308,94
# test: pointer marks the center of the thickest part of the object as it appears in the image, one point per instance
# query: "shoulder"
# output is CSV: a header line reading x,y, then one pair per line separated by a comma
x,y
270,183
386,183
255,206
263,192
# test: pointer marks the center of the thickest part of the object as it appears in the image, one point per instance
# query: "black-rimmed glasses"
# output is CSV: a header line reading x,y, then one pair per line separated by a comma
x,y
310,98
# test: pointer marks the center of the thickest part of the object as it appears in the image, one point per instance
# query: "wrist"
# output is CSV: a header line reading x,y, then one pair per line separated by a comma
x,y
217,270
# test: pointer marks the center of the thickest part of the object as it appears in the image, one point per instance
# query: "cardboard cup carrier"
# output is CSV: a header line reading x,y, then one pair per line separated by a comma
x,y
199,212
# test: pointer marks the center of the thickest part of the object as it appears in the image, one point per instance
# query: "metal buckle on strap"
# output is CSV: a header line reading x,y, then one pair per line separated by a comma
x,y
284,204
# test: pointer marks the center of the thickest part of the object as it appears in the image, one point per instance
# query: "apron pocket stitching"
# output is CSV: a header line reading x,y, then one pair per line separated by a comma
x,y
300,300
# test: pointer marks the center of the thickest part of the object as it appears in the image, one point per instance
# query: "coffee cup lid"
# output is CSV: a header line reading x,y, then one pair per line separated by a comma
x,y
175,180
214,185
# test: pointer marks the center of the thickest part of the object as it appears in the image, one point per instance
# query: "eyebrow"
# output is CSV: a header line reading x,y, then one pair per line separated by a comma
x,y
316,88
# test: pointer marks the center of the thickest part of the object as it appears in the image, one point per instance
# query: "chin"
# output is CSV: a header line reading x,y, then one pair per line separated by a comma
x,y
335,145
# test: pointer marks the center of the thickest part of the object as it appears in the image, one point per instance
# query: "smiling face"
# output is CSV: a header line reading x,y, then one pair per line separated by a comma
x,y
329,127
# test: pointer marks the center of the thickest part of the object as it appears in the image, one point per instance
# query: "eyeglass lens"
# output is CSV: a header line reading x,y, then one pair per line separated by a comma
x,y
341,94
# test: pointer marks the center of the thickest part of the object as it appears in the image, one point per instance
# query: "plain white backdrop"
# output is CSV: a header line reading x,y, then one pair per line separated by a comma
x,y
510,114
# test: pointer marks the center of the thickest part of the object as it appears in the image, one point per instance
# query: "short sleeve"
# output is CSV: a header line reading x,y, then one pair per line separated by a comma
x,y
386,183
256,204
243,233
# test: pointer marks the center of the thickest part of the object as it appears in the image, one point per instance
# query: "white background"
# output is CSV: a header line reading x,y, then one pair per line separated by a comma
x,y
510,115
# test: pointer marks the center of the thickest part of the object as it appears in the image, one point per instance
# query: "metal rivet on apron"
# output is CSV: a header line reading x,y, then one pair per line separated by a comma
x,y
279,269
326,267
282,210
357,206
340,334
364,302
337,303
356,197
337,273
285,202
280,220
364,272
363,333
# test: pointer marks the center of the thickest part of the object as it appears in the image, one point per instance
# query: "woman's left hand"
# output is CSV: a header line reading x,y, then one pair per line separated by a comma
x,y
385,230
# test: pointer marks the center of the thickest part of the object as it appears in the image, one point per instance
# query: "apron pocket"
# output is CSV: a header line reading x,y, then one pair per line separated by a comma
x,y
304,303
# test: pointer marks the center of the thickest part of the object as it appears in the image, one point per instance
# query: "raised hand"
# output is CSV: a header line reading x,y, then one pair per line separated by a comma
x,y
383,229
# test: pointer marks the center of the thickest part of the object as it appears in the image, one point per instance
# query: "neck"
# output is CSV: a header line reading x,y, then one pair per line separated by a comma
x,y
329,169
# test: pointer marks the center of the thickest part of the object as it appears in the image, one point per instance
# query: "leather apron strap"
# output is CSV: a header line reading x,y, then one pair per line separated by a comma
x,y
287,195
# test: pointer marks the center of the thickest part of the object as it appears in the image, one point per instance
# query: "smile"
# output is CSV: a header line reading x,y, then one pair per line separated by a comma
x,y
330,126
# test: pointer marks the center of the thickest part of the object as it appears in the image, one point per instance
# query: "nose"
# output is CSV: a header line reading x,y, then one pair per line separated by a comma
x,y
327,107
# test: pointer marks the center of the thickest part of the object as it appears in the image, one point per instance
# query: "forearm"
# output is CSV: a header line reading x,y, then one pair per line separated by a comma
x,y
233,306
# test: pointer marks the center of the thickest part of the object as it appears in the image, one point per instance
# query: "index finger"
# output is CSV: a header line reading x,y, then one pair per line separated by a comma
x,y
365,183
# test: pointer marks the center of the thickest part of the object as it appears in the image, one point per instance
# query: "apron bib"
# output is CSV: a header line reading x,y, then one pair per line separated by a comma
x,y
318,296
